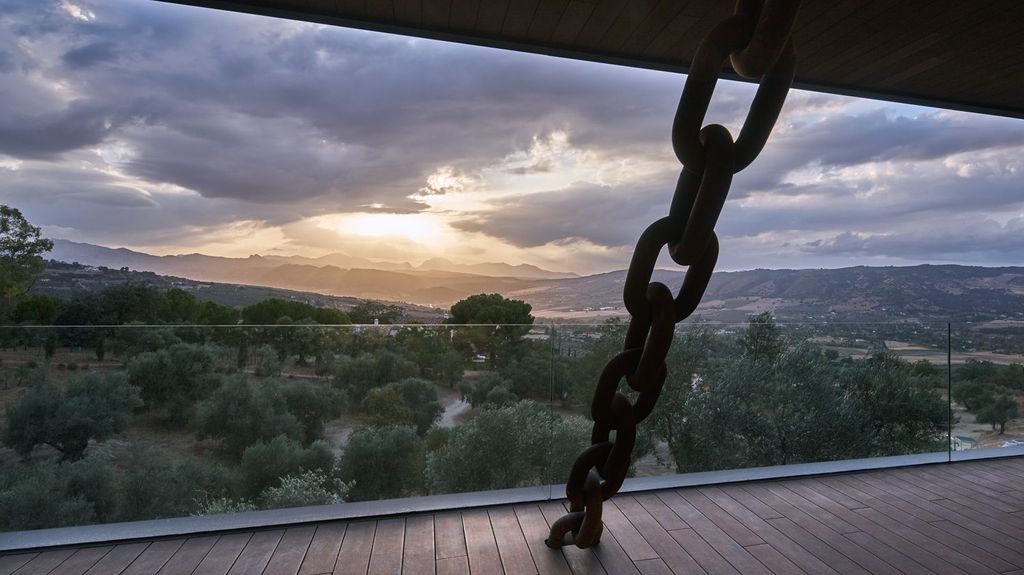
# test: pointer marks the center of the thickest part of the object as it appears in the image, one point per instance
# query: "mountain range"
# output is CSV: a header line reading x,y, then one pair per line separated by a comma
x,y
946,292
68,251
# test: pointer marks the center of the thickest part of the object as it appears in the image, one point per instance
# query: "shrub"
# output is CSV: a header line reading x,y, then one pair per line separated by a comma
x,y
267,362
507,447
173,379
500,397
59,493
479,393
384,407
313,404
38,496
95,479
241,414
452,368
223,505
420,396
382,462
361,374
135,338
412,401
152,488
436,438
324,365
300,490
264,463
530,376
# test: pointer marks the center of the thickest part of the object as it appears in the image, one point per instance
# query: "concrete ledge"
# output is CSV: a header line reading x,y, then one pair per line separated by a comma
x,y
779,472
182,526
186,526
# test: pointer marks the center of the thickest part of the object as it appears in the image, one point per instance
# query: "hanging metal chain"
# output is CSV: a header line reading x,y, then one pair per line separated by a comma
x,y
756,39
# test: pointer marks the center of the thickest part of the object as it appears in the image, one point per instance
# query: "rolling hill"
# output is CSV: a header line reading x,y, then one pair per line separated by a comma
x,y
943,292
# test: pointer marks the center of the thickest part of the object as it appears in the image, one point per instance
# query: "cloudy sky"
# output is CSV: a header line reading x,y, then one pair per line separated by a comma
x,y
171,129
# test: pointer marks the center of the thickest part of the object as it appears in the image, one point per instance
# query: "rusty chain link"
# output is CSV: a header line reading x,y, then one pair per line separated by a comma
x,y
756,40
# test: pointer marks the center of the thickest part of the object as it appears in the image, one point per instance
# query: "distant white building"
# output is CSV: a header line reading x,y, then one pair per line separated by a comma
x,y
962,443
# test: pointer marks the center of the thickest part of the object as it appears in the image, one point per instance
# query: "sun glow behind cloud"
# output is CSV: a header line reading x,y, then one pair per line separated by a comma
x,y
419,228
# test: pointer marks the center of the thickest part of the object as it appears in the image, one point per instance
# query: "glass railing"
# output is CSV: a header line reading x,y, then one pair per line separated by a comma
x,y
987,386
110,424
774,394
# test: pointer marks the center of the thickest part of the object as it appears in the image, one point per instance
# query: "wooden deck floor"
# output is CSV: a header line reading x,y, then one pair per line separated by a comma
x,y
963,518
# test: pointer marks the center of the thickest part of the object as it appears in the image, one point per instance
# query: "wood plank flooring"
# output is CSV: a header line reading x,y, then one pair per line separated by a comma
x,y
956,519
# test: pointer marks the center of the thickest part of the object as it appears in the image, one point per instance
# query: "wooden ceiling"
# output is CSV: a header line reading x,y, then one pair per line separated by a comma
x,y
962,54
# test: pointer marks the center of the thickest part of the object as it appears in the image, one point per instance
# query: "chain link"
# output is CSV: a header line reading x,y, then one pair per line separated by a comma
x,y
756,40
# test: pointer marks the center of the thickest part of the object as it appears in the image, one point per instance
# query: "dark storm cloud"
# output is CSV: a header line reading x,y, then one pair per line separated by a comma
x,y
81,124
848,140
291,90
856,137
828,140
602,215
71,188
830,210
101,208
90,54
962,239
253,161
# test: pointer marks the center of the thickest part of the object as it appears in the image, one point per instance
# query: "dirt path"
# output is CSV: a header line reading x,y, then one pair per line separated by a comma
x,y
455,411
337,432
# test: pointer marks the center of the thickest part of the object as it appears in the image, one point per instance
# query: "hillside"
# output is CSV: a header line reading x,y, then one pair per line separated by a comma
x,y
961,293
405,283
66,280
936,292
191,264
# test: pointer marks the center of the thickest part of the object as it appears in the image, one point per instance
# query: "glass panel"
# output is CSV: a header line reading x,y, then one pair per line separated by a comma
x,y
495,438
581,352
987,385
105,424
763,393
568,426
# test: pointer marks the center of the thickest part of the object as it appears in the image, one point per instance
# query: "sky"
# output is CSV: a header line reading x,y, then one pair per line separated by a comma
x,y
171,129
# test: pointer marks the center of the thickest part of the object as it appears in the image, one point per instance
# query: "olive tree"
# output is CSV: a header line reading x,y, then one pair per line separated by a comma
x,y
93,407
382,462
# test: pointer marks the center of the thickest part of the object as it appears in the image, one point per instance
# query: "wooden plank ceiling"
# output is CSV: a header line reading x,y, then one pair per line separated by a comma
x,y
945,53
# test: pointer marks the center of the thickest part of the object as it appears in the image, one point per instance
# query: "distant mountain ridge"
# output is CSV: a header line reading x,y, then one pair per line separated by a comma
x,y
494,269
69,251
935,292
